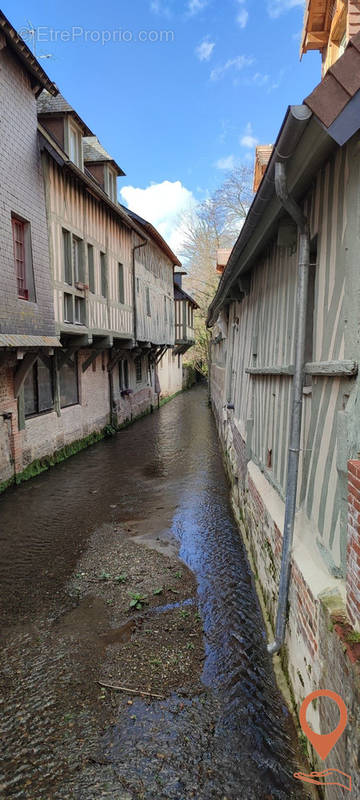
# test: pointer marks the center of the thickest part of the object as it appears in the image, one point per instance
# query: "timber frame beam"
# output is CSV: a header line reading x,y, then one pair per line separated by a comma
x,y
23,370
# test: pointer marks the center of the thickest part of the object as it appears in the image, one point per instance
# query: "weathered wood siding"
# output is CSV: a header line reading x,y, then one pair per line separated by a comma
x,y
261,334
154,288
72,208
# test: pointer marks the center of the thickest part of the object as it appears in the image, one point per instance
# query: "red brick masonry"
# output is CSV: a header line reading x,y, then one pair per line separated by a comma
x,y
353,545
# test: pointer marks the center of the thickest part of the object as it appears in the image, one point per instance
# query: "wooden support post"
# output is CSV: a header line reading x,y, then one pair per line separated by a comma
x,y
57,389
92,357
23,370
21,409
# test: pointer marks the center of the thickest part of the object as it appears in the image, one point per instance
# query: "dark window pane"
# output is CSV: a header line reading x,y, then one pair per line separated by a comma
x,y
103,274
138,369
121,284
67,256
45,387
30,393
91,268
69,395
126,374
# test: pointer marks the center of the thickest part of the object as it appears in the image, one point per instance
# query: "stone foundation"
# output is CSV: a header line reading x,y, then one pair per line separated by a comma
x,y
48,437
322,648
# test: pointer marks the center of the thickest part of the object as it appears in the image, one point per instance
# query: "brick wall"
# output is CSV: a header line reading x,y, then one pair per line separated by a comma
x,y
22,192
353,546
46,433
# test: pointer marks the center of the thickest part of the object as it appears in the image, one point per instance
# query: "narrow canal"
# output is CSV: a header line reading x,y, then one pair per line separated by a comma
x,y
139,514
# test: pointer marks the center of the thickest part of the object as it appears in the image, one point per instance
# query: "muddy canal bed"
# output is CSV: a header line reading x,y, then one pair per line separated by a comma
x,y
143,521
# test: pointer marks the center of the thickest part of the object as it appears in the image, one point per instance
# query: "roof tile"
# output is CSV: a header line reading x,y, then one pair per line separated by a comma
x,y
347,71
328,99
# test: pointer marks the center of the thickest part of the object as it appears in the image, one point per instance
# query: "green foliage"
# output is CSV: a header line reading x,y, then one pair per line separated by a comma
x,y
104,576
353,637
121,578
138,600
158,591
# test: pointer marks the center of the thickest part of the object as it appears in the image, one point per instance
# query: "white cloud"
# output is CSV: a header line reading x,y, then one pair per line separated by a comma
x,y
242,18
260,79
237,64
228,162
278,7
160,7
194,6
161,204
204,50
248,139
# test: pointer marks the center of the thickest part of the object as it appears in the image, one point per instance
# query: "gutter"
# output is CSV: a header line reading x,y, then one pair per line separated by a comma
x,y
294,125
297,215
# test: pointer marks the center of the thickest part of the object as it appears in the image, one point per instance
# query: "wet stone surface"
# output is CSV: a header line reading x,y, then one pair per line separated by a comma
x,y
146,513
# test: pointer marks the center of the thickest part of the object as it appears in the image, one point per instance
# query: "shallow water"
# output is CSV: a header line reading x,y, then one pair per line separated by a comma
x,y
233,740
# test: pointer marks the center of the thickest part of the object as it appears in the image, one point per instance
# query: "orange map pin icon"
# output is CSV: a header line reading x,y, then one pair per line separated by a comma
x,y
323,743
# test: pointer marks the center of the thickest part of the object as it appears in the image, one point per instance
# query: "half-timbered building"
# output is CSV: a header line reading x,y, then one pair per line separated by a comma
x,y
285,323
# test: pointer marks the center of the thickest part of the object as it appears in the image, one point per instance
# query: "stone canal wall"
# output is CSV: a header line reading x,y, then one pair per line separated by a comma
x,y
322,649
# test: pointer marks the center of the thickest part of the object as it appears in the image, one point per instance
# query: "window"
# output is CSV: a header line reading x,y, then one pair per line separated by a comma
x,y
68,308
138,369
69,394
73,258
39,389
79,310
148,307
103,274
137,285
121,283
67,256
111,182
179,361
91,268
123,374
77,261
75,145
23,259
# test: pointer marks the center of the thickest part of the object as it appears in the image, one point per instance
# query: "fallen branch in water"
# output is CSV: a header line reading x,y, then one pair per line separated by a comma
x,y
131,691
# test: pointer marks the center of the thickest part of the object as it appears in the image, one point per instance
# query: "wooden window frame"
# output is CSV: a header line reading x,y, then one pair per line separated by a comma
x,y
23,260
138,369
35,375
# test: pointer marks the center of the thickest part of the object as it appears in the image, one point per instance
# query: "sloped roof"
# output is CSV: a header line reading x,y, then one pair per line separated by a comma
x,y
180,294
334,109
94,152
46,104
155,235
340,84
17,44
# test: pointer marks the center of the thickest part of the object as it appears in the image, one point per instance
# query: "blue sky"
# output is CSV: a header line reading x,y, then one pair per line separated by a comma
x,y
213,78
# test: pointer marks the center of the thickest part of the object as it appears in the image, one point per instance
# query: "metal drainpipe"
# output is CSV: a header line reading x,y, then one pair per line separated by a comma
x,y
136,247
297,215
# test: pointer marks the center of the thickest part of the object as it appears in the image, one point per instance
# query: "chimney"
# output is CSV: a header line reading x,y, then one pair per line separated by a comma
x,y
262,157
222,259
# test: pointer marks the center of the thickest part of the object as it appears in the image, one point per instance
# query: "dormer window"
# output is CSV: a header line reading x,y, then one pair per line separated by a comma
x,y
111,184
75,149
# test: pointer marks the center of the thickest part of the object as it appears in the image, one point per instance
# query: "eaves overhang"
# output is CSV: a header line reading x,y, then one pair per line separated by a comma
x,y
23,52
303,144
57,154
